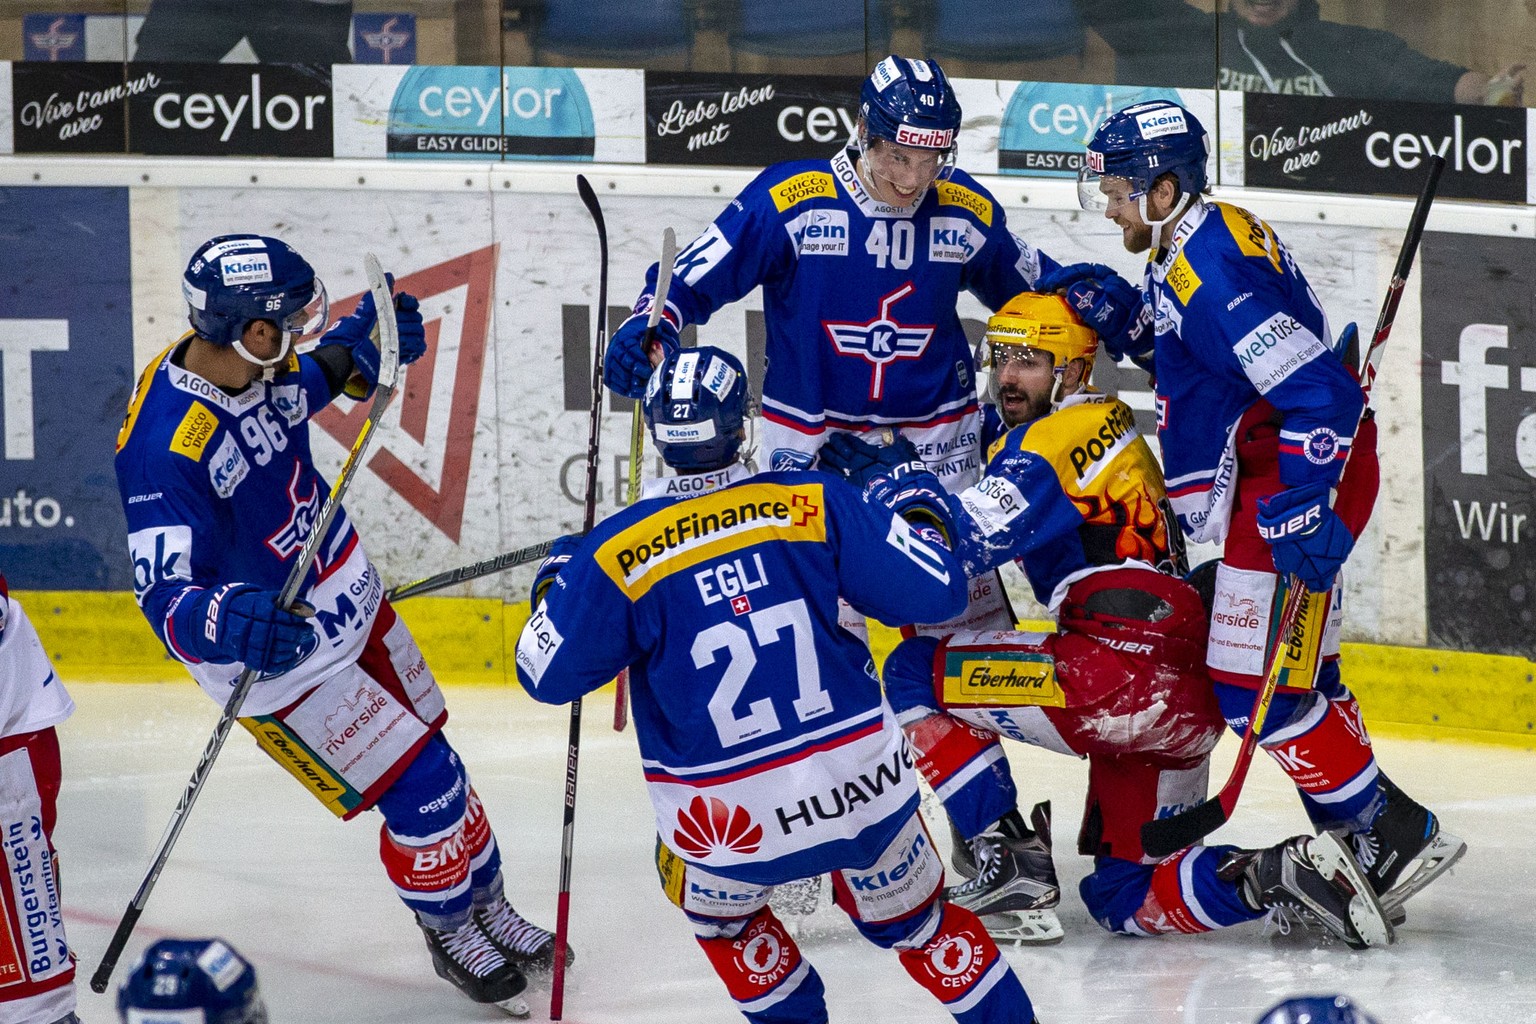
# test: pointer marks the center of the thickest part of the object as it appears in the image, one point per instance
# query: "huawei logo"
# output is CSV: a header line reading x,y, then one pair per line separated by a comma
x,y
709,826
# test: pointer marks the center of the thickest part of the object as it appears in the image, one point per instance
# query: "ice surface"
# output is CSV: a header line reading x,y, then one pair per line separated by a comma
x,y
302,895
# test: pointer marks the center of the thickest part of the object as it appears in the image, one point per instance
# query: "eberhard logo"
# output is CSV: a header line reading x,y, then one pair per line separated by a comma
x,y
951,194
810,185
685,534
1001,678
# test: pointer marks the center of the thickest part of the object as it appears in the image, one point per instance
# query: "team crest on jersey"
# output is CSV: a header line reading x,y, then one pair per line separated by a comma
x,y
290,401
881,341
301,517
228,467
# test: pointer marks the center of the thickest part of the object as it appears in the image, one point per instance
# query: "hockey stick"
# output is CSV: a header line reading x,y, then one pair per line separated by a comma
x,y
389,372
589,519
637,435
1165,836
465,573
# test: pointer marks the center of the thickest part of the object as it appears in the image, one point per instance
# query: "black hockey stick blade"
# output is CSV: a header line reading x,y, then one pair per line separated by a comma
x,y
1165,836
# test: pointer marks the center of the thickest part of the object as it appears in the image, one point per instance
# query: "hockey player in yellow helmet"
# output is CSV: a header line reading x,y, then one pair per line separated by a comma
x,y
1038,351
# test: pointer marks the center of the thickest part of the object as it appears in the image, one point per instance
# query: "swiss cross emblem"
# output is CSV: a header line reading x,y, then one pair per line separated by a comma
x,y
740,605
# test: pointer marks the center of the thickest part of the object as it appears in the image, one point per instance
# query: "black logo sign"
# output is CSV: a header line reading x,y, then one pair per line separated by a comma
x,y
231,110
1332,144
1479,384
746,120
72,108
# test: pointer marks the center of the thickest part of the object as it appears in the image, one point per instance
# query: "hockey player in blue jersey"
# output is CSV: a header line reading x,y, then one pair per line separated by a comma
x,y
1074,494
220,492
1256,413
769,753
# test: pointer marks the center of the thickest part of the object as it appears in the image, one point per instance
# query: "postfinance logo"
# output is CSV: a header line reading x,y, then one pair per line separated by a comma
x,y
683,535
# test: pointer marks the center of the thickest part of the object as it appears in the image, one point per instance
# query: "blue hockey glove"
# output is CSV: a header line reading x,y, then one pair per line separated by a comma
x,y
354,334
242,622
1108,303
626,367
854,459
918,497
560,552
1306,538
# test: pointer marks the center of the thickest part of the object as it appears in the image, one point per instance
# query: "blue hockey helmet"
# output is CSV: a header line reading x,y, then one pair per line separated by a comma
x,y
911,103
191,981
1140,144
696,407
234,279
1317,1010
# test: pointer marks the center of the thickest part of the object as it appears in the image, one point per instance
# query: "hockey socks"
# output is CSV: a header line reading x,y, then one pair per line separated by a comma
x,y
961,966
764,972
1322,745
1184,893
966,769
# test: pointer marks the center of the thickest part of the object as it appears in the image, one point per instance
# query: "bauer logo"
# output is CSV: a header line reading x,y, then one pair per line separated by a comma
x,y
1046,126
457,113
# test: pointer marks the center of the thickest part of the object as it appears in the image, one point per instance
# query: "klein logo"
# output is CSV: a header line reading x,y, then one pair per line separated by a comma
x,y
882,340
709,826
301,519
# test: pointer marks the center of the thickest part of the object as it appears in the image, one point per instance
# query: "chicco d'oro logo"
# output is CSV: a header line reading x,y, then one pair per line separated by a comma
x,y
709,826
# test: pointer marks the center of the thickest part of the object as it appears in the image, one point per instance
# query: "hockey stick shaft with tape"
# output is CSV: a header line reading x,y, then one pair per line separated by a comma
x,y
389,373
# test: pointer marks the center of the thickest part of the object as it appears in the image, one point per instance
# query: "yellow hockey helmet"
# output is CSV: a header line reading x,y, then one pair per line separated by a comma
x,y
1041,321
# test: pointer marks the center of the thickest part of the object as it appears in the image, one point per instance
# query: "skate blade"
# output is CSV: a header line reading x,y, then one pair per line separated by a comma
x,y
1331,858
1443,851
515,1007
1023,927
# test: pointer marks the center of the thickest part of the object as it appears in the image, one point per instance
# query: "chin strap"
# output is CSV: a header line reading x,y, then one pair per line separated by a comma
x,y
1157,225
268,366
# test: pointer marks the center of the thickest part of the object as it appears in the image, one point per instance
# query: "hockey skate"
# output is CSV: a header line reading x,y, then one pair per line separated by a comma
x,y
466,959
1011,883
524,944
1317,879
1403,833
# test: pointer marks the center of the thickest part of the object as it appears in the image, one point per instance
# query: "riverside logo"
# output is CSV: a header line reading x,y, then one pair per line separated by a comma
x,y
1048,125
458,113
684,535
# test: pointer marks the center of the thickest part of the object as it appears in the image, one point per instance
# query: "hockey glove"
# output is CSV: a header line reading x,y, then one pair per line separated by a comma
x,y
1306,538
854,459
560,552
241,622
354,333
1108,303
626,364
918,497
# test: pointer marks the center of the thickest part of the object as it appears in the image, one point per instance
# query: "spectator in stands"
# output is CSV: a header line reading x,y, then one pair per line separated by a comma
x,y
279,31
1281,46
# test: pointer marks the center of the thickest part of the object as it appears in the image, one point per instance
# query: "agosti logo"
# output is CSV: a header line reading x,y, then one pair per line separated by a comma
x,y
689,532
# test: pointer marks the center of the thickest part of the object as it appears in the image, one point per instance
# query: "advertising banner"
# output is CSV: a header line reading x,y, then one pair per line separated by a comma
x,y
489,113
66,353
281,110
746,120
1046,125
1330,144
74,107
1480,442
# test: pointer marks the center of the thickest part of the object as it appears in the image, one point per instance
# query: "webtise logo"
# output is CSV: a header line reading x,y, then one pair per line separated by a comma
x,y
455,302
478,112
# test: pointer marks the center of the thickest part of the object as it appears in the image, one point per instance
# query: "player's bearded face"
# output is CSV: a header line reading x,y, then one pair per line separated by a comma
x,y
900,175
1124,208
1022,381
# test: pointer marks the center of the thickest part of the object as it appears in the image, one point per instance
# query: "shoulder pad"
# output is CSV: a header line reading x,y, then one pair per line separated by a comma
x,y
1253,237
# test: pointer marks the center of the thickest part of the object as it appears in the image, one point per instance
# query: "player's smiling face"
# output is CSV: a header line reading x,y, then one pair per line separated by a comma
x,y
900,175
1125,210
